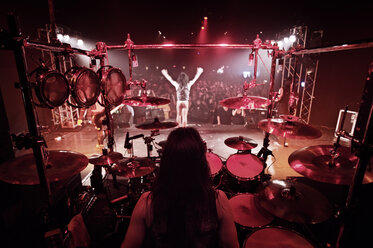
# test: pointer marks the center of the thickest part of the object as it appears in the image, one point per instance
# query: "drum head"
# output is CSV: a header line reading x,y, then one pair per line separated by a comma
x,y
115,85
53,89
247,213
244,166
214,162
86,87
271,237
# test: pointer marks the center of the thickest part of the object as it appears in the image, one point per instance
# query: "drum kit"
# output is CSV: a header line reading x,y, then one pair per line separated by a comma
x,y
287,200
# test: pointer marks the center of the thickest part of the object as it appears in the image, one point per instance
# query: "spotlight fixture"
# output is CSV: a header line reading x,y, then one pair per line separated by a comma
x,y
52,88
114,84
84,85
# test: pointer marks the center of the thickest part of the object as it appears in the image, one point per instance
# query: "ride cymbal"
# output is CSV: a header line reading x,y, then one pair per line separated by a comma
x,y
61,165
292,129
246,102
156,124
241,143
317,163
106,159
133,167
295,202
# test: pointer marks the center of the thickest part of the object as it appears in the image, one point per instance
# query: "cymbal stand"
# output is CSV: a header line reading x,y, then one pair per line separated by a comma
x,y
264,151
336,145
363,141
149,139
16,42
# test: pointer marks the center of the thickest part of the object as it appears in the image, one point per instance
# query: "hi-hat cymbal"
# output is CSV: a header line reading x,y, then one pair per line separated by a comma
x,y
295,202
133,167
315,162
293,129
61,165
142,101
156,124
246,102
106,159
241,143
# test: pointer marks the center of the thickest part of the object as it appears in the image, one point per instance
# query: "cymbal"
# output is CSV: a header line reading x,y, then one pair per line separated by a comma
x,y
61,165
142,101
133,167
156,124
315,162
241,143
292,129
106,159
295,202
245,102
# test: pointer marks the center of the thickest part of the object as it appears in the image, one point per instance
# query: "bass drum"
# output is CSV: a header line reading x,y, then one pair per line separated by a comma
x,y
270,237
216,167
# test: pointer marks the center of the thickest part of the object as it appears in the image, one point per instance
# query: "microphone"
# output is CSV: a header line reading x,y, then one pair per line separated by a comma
x,y
136,136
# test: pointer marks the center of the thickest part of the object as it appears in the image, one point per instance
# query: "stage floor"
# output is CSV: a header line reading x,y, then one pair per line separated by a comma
x,y
84,140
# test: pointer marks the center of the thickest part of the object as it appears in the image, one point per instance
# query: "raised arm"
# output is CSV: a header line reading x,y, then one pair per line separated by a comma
x,y
169,78
199,72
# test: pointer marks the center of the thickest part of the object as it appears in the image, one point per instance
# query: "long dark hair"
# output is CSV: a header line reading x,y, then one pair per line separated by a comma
x,y
182,194
183,79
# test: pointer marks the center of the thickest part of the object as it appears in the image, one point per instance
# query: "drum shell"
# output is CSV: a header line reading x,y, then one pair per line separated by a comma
x,y
216,167
243,172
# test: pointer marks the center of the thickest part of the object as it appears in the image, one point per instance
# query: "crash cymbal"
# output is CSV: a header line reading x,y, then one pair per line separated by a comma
x,y
142,101
133,167
295,202
156,124
315,162
246,102
61,165
292,129
105,159
241,143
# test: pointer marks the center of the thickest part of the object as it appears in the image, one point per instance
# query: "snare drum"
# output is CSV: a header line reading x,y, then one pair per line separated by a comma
x,y
270,237
216,166
247,213
244,172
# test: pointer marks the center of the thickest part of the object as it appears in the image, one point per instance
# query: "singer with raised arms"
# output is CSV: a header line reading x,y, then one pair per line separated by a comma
x,y
182,86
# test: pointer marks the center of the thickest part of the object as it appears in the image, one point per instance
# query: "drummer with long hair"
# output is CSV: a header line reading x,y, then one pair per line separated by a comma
x,y
182,209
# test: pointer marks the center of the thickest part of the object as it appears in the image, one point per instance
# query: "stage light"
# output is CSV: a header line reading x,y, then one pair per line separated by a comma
x,y
202,27
246,74
220,70
66,38
114,84
292,38
205,18
60,37
302,84
286,40
80,42
84,85
52,88
280,44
